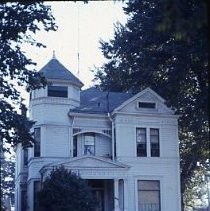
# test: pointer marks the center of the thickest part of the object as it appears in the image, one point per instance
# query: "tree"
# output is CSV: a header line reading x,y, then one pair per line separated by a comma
x,y
164,46
19,21
8,179
63,190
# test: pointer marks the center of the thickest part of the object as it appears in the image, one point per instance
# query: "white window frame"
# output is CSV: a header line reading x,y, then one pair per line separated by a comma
x,y
93,135
145,142
150,178
148,142
158,141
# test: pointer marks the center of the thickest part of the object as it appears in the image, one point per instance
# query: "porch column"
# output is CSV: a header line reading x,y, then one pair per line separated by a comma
x,y
126,191
116,195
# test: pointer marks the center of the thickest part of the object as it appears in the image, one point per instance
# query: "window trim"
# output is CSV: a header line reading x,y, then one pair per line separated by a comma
x,y
150,178
93,135
152,190
152,128
147,140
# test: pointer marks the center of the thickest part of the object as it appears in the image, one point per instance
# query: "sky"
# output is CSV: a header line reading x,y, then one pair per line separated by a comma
x,y
80,27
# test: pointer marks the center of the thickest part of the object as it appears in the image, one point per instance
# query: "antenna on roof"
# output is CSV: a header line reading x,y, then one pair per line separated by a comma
x,y
53,57
78,33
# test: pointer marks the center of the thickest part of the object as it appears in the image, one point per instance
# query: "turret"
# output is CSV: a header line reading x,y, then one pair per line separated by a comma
x,y
49,109
62,91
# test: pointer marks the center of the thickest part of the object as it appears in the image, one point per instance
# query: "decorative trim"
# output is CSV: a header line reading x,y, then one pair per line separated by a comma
x,y
107,132
77,130
158,115
53,100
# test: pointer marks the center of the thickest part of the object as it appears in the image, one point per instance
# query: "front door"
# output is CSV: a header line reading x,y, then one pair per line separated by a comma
x,y
99,194
97,187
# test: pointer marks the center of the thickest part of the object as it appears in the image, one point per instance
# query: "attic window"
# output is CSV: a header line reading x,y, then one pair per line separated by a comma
x,y
58,91
146,105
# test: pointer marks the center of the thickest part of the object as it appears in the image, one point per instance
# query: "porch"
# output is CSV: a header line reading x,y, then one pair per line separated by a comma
x,y
105,177
109,194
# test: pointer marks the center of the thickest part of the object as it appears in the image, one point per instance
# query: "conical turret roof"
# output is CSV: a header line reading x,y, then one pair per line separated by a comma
x,y
55,70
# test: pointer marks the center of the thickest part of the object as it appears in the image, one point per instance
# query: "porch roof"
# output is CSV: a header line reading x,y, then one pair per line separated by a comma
x,y
88,165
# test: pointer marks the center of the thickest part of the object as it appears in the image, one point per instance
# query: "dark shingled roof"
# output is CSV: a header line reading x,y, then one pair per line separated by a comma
x,y
55,70
95,101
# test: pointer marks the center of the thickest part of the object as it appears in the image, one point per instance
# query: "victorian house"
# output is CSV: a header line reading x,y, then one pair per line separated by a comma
x,y
125,145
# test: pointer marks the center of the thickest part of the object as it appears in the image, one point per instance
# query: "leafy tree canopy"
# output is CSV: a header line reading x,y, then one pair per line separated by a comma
x,y
8,179
63,190
164,46
19,21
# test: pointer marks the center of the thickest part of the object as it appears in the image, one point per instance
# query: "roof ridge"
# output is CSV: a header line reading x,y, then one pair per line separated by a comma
x,y
107,91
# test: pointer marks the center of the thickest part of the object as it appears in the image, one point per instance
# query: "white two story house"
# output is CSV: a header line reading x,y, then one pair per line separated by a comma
x,y
125,145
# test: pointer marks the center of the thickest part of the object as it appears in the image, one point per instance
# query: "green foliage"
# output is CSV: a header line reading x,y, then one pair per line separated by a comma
x,y
19,21
196,190
164,46
64,191
7,179
2,206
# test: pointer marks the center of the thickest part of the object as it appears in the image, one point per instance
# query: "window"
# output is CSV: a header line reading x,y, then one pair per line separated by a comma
x,y
37,138
149,195
25,157
23,200
74,146
37,188
115,144
154,142
146,105
58,91
141,141
89,145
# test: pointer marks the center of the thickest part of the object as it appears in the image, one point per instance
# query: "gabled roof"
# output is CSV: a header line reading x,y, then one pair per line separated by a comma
x,y
98,102
86,162
152,95
134,97
95,101
55,70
